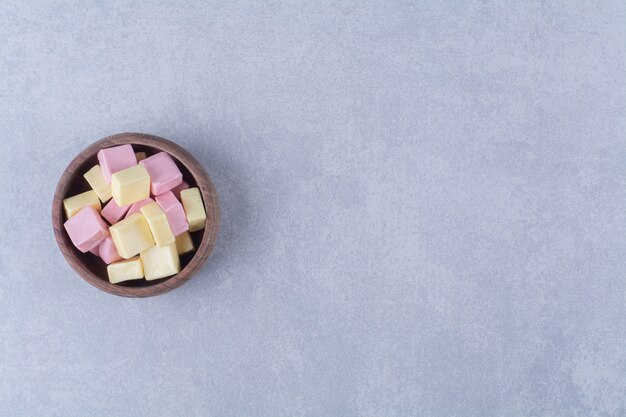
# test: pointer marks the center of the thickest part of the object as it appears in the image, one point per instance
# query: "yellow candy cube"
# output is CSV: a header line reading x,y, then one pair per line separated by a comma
x,y
159,226
194,208
97,182
160,262
130,185
125,270
131,236
184,243
73,205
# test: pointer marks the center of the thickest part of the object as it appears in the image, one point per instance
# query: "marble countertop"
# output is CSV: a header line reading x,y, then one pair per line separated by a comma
x,y
422,208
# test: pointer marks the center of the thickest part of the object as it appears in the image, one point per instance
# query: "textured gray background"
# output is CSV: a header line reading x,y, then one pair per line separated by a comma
x,y
423,208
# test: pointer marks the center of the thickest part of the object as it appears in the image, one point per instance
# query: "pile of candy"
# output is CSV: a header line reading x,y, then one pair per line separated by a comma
x,y
147,221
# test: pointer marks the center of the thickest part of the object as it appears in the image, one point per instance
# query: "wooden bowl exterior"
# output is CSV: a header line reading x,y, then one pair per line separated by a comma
x,y
91,268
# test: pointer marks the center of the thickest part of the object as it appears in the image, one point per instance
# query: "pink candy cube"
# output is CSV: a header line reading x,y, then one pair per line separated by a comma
x,y
108,251
164,174
86,229
174,212
114,213
182,186
134,208
116,159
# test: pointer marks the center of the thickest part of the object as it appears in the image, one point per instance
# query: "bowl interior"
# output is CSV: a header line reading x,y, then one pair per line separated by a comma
x,y
77,184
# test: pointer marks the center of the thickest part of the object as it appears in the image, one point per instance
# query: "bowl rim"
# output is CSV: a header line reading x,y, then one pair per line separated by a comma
x,y
203,182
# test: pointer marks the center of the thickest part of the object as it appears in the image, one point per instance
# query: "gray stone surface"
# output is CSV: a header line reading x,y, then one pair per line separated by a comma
x,y
423,208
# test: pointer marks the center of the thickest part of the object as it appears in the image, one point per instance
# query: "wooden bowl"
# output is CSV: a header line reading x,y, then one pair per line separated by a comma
x,y
90,267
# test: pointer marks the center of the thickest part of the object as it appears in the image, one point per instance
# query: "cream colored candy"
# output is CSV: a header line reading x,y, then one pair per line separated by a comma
x,y
131,236
184,243
160,262
194,208
125,270
130,185
97,182
73,205
159,226
140,156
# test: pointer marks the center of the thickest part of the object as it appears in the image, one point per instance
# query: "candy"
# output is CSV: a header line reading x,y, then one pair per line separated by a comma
x,y
135,207
160,262
113,213
97,183
174,211
176,190
107,251
131,236
115,159
73,205
184,243
86,229
125,270
130,185
147,235
164,174
157,221
194,208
